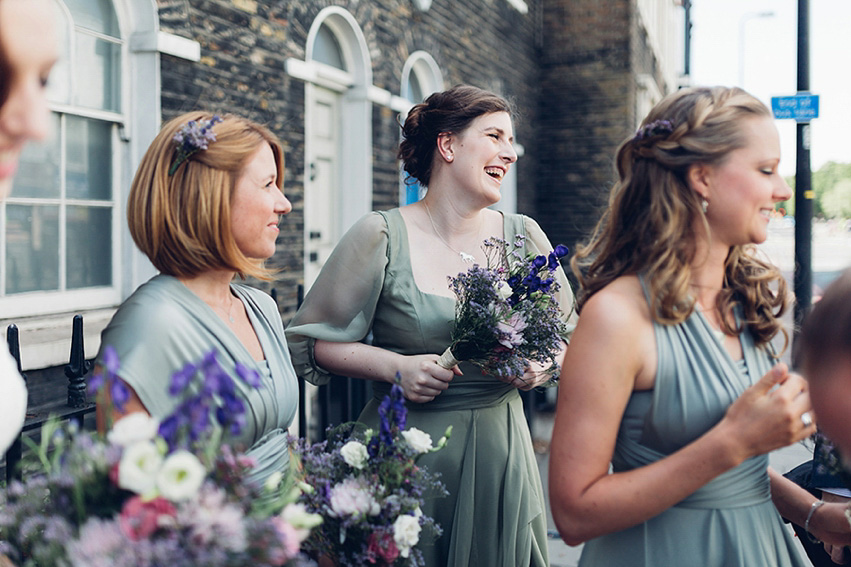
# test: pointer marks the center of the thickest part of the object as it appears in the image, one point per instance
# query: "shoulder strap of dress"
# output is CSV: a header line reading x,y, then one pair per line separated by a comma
x,y
514,224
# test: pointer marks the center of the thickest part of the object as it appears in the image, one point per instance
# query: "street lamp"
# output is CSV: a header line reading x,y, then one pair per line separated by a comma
x,y
742,21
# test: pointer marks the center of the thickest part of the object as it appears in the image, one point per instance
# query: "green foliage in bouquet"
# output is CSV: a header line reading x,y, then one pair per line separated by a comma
x,y
369,490
153,494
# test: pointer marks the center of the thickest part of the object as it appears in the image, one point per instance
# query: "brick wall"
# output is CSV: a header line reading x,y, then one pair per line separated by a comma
x,y
569,66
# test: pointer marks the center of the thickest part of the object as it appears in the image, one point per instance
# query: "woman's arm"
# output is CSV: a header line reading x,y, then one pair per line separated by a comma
x,y
828,522
611,354
422,379
107,413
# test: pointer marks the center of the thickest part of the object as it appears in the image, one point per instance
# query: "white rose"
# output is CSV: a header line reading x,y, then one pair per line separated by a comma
x,y
300,519
406,533
504,290
13,400
419,441
138,467
181,475
132,428
355,454
352,498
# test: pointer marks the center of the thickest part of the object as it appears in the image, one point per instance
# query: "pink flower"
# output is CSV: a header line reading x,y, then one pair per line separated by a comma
x,y
289,541
139,518
511,331
383,546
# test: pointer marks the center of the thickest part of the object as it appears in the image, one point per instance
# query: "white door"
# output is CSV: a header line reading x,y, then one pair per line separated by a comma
x,y
321,194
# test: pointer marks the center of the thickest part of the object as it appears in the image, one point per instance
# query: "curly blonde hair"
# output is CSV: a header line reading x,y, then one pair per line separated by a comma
x,y
648,225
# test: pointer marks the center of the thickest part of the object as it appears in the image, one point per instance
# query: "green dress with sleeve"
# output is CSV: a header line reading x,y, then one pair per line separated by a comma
x,y
730,521
163,326
495,513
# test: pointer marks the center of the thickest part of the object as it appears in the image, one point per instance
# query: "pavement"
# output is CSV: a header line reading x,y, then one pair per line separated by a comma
x,y
563,555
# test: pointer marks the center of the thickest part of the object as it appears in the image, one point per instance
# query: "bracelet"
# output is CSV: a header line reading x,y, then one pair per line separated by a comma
x,y
815,506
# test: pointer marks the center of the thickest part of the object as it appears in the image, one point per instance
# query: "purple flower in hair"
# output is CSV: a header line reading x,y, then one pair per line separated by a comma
x,y
195,136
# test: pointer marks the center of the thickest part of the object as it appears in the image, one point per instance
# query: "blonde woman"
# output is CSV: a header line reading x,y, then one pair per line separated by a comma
x,y
670,377
204,209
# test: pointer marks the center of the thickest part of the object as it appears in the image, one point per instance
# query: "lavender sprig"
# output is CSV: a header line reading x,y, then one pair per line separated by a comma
x,y
195,136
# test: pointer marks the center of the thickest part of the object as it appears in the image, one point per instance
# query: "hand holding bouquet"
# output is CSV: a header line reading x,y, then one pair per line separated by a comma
x,y
506,314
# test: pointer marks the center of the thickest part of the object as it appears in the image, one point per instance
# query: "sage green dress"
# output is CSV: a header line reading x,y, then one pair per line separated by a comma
x,y
495,513
729,522
163,326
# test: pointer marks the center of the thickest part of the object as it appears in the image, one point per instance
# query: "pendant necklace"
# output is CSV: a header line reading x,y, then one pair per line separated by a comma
x,y
466,258
229,310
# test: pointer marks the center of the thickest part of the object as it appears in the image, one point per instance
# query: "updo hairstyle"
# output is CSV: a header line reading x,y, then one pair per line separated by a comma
x,y
648,225
450,111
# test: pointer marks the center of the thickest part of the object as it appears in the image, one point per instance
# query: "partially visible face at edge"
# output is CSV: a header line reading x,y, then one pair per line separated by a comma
x,y
29,47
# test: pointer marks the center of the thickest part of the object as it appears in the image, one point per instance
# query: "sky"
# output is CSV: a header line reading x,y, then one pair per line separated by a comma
x,y
735,43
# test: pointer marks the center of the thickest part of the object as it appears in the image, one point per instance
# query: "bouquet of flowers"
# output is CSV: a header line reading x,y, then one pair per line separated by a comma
x,y
369,490
506,313
153,494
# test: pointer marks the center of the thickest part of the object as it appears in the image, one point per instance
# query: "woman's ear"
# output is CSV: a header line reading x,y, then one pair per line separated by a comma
x,y
445,144
698,177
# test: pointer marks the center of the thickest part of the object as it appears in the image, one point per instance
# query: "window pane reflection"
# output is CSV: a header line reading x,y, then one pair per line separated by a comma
x,y
89,159
89,247
38,169
98,73
32,248
96,15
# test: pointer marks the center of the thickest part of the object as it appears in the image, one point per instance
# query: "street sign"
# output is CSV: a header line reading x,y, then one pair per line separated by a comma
x,y
801,107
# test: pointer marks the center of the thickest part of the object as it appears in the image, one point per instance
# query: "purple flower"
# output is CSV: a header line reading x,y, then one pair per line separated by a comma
x,y
181,379
248,375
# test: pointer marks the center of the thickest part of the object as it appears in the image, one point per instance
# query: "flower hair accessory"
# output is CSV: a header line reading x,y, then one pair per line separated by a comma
x,y
195,136
655,128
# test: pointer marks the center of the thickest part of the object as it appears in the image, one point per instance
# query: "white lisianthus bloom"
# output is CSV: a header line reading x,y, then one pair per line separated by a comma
x,y
273,481
300,519
353,498
419,441
503,290
132,428
181,475
406,533
138,468
355,454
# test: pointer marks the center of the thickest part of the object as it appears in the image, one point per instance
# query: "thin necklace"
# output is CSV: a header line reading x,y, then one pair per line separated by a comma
x,y
466,258
229,310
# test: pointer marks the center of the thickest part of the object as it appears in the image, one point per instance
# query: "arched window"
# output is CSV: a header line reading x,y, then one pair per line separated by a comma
x,y
420,77
60,221
326,49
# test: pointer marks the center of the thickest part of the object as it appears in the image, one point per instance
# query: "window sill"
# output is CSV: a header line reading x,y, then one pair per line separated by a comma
x,y
46,340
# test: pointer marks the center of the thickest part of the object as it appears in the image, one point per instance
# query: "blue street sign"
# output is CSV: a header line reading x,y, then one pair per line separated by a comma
x,y
802,107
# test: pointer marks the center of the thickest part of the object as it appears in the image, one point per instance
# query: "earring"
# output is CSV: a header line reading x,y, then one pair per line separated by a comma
x,y
450,157
704,204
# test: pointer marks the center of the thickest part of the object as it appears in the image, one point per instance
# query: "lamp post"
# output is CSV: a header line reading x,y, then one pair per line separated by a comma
x,y
742,21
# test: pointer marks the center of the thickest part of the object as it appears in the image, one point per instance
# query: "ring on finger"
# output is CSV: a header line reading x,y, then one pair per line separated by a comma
x,y
807,419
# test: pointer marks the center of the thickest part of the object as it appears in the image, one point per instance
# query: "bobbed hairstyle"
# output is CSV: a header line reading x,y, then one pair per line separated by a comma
x,y
825,337
182,222
449,111
648,225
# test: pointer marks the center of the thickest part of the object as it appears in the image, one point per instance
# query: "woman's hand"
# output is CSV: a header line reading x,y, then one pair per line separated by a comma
x,y
829,524
767,416
535,374
423,379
